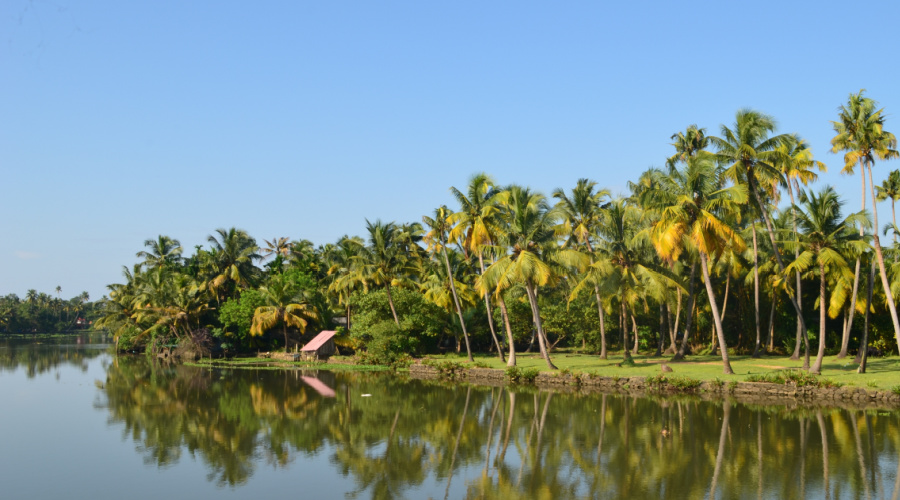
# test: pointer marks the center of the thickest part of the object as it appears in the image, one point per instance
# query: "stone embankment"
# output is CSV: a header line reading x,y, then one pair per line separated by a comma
x,y
748,392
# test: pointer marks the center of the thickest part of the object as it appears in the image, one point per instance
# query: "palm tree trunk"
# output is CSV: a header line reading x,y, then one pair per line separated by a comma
x,y
603,353
462,322
892,307
771,339
817,366
724,307
529,289
726,366
634,329
754,190
755,291
673,327
509,334
626,354
490,316
845,338
690,314
391,303
864,343
662,328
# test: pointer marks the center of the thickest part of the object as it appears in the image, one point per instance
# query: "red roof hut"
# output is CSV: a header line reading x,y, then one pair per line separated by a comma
x,y
321,347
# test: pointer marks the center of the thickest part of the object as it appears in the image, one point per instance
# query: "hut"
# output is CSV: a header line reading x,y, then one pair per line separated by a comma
x,y
319,348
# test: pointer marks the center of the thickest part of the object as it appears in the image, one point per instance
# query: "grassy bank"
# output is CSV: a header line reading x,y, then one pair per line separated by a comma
x,y
881,373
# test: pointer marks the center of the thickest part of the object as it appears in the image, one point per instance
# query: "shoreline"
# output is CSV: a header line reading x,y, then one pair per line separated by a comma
x,y
744,392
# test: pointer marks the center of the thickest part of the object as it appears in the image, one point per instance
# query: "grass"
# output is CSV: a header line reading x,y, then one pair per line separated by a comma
x,y
881,373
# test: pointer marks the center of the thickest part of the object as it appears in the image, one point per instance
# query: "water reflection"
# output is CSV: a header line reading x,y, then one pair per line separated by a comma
x,y
418,439
50,354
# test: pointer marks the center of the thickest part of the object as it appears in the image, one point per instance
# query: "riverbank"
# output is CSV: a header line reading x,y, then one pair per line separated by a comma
x,y
765,380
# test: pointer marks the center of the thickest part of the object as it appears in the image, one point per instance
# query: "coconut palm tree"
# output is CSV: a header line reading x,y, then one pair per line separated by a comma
x,y
529,238
796,163
284,305
476,224
343,261
825,239
691,207
233,255
752,154
860,133
390,256
581,215
439,226
163,251
890,190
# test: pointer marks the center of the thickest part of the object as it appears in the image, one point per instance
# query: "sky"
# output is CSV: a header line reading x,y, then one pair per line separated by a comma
x,y
122,121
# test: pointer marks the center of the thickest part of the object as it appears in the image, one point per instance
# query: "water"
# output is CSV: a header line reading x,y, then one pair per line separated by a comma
x,y
78,421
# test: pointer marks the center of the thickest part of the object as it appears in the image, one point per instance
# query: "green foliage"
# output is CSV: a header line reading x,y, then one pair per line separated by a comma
x,y
236,316
798,378
421,322
680,384
896,390
518,375
447,369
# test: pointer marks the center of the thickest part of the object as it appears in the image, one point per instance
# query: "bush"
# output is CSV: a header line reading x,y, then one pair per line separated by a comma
x,y
518,375
798,378
375,331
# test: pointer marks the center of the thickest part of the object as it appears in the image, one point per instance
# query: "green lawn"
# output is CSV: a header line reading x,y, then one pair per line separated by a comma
x,y
882,373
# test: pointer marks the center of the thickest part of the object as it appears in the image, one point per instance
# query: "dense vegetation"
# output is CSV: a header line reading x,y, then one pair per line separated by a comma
x,y
43,313
728,248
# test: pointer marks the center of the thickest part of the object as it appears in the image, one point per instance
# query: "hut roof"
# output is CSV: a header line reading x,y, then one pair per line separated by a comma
x,y
319,341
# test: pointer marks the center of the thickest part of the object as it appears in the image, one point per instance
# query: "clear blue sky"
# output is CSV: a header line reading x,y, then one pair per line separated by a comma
x,y
125,120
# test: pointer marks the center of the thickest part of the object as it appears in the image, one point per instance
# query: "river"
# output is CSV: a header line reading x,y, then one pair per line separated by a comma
x,y
79,421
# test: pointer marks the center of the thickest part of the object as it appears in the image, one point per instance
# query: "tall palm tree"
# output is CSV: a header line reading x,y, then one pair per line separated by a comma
x,y
691,206
388,257
234,253
582,213
752,155
439,226
476,224
285,305
529,237
825,238
890,190
343,260
796,163
163,251
860,133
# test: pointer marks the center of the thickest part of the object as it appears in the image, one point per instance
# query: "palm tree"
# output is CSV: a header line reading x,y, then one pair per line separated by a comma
x,y
163,251
581,217
691,206
752,155
439,226
890,189
387,259
343,261
285,305
234,253
796,163
530,239
825,238
860,132
476,224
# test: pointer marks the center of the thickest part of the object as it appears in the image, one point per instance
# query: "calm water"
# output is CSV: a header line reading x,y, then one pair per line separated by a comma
x,y
77,422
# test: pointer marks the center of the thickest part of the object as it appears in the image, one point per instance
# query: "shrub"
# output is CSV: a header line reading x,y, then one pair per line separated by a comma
x,y
518,375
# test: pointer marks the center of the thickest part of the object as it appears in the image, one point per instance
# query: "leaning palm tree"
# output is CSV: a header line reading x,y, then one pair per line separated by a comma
x,y
691,207
476,224
439,226
284,305
825,239
752,155
860,132
529,237
581,216
388,258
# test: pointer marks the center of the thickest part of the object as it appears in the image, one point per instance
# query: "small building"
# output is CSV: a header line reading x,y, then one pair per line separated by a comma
x,y
319,348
